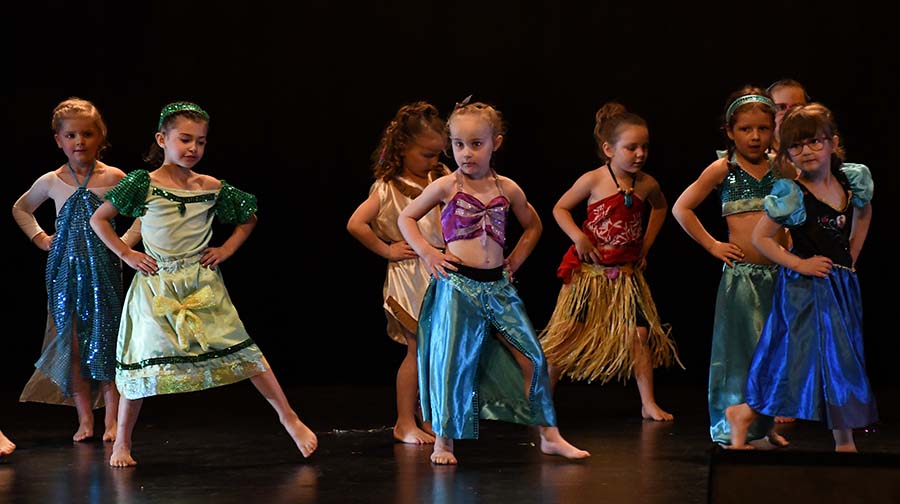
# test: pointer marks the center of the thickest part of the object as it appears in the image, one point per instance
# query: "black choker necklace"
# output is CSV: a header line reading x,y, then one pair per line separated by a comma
x,y
626,192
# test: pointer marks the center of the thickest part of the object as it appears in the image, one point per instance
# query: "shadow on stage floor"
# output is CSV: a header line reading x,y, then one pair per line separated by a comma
x,y
226,445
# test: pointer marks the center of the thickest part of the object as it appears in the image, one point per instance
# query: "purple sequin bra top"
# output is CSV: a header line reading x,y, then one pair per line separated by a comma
x,y
465,217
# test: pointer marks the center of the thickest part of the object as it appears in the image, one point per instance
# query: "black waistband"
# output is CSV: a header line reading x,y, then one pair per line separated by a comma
x,y
480,275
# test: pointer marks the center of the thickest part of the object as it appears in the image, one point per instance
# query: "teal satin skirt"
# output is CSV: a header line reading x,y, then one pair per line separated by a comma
x,y
743,303
465,372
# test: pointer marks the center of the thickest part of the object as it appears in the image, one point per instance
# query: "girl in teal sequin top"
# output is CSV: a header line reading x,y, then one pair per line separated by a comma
x,y
743,176
179,330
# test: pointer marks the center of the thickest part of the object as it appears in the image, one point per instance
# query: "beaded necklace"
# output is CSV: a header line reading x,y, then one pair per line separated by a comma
x,y
627,192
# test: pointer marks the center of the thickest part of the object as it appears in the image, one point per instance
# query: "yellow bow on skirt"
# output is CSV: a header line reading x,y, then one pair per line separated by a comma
x,y
187,323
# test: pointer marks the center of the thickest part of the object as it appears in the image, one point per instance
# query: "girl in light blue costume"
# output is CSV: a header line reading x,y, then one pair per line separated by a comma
x,y
179,330
84,279
743,176
465,373
810,362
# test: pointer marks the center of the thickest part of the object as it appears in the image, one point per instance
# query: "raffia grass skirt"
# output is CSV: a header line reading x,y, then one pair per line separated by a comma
x,y
591,333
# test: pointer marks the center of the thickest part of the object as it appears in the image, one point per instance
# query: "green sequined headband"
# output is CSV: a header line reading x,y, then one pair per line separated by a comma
x,y
176,107
748,99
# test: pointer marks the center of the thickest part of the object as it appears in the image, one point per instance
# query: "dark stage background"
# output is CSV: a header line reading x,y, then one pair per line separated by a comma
x,y
299,93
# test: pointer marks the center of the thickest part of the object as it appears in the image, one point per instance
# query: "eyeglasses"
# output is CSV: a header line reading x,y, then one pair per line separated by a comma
x,y
784,107
815,144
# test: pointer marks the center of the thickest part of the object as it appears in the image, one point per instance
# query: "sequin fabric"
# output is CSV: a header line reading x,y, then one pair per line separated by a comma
x,y
741,192
84,289
172,351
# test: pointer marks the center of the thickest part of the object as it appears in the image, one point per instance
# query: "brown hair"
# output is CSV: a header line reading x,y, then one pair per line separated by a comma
x,y
410,121
804,122
608,125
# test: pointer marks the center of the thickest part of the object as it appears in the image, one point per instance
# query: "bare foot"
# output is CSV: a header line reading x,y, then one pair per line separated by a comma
x,y
776,439
85,430
121,456
443,451
109,435
6,446
306,440
411,434
426,426
654,412
784,419
739,417
845,448
552,443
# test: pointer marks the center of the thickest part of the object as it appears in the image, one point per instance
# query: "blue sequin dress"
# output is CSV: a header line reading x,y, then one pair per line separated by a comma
x,y
179,330
84,292
810,362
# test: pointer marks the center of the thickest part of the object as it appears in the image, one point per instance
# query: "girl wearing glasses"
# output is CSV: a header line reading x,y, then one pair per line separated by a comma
x,y
809,363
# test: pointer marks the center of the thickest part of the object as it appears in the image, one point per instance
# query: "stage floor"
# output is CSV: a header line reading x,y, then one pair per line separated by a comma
x,y
226,445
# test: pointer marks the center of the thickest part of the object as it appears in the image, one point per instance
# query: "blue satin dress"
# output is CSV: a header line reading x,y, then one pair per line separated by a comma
x,y
809,362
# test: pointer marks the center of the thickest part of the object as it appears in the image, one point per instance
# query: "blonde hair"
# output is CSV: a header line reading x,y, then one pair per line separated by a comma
x,y
73,107
488,112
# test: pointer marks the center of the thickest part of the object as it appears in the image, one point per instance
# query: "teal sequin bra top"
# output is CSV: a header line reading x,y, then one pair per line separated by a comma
x,y
741,192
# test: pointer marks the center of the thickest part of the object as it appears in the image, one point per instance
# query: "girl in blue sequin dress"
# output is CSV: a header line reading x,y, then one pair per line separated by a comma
x,y
742,176
84,279
810,361
179,330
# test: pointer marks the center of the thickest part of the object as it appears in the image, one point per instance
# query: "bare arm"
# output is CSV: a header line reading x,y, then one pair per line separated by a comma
x,y
764,240
360,227
101,223
562,213
531,225
132,235
862,217
658,209
691,198
213,256
433,195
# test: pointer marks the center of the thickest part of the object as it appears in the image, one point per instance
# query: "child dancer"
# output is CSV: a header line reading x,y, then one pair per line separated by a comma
x,y
786,94
84,279
809,362
406,160
743,176
465,372
179,330
605,323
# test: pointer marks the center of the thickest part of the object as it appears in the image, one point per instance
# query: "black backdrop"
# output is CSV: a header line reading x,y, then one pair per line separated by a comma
x,y
298,95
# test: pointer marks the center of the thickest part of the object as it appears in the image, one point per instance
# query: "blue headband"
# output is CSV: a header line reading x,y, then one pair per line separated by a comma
x,y
748,99
174,108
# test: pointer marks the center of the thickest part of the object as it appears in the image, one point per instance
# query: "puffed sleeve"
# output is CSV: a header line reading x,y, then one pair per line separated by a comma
x,y
784,204
233,205
129,196
860,183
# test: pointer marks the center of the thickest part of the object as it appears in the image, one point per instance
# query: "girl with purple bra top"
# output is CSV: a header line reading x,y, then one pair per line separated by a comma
x,y
466,217
478,353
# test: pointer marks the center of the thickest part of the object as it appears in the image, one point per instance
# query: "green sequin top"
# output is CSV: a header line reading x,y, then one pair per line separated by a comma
x,y
232,206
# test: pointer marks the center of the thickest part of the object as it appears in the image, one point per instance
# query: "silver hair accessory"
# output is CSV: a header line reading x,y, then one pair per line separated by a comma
x,y
463,103
748,99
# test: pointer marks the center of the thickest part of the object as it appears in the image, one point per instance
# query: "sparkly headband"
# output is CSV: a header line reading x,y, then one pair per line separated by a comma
x,y
748,99
174,108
